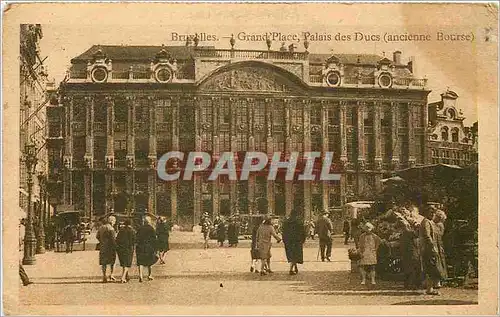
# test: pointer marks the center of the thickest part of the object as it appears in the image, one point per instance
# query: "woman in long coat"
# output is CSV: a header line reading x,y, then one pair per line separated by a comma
x,y
146,247
233,232
254,251
439,219
125,242
410,255
431,261
106,236
221,232
163,234
294,236
264,234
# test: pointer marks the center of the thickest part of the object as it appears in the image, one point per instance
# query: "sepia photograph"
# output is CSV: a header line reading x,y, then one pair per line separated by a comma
x,y
250,158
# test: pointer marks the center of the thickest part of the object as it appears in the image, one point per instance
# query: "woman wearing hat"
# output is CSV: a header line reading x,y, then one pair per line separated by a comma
x,y
125,242
264,234
368,246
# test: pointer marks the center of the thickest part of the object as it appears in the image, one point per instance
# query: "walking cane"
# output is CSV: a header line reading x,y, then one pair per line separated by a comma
x,y
317,255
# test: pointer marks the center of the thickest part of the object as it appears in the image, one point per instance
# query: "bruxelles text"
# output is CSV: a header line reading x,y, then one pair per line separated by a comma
x,y
306,167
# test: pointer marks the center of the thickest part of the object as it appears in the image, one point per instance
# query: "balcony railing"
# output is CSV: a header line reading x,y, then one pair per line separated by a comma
x,y
316,78
250,54
100,127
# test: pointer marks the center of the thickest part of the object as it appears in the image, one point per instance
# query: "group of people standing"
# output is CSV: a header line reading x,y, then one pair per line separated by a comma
x,y
223,230
422,251
149,244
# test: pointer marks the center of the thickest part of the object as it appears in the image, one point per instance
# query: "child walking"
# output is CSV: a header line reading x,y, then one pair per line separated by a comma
x,y
368,246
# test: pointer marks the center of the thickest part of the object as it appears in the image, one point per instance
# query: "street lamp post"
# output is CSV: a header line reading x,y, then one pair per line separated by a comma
x,y
30,161
40,239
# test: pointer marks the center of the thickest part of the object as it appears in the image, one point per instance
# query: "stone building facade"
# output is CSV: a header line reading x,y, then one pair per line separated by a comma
x,y
450,142
32,106
123,107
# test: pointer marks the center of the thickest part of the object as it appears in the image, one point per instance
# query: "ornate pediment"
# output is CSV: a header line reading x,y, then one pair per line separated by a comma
x,y
258,79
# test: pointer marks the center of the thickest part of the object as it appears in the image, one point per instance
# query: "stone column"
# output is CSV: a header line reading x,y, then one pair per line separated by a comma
x,y
252,207
361,135
152,158
343,133
394,133
88,182
109,190
377,136
233,190
324,133
152,191
175,147
425,159
196,177
131,154
68,153
411,135
307,148
288,149
269,125
173,200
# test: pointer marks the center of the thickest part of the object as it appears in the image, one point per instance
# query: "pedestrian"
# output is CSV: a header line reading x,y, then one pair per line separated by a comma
x,y
439,219
206,225
311,229
324,228
146,248
125,242
221,232
233,230
368,247
163,234
264,233
410,255
69,238
106,235
356,231
24,277
347,231
294,237
431,262
254,251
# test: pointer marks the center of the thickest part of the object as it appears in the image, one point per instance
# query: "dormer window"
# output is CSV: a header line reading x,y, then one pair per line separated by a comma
x,y
454,135
444,133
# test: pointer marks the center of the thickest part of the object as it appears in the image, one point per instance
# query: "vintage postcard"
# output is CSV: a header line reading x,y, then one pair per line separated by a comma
x,y
250,158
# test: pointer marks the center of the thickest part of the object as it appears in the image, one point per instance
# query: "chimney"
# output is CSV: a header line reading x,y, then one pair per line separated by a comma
x,y
292,47
412,66
396,57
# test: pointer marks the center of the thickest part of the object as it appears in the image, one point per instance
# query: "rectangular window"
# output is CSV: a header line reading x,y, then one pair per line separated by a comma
x,y
121,111
99,147
141,148
225,141
386,116
278,116
279,142
368,116
224,112
334,145
100,111
142,112
206,111
334,116
316,142
79,146
120,147
162,146
403,115
315,116
79,111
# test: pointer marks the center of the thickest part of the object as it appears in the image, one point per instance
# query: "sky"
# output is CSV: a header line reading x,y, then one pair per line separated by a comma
x,y
461,66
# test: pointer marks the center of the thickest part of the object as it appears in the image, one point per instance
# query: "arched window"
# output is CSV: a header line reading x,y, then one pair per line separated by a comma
x,y
444,133
454,135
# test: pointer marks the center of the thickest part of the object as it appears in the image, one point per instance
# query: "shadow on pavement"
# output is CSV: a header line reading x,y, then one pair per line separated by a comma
x,y
438,302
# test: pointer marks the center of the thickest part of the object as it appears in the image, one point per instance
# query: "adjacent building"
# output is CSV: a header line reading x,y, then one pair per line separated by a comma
x,y
122,107
450,142
32,119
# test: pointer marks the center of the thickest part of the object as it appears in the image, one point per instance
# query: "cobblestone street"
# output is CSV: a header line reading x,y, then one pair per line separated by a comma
x,y
218,276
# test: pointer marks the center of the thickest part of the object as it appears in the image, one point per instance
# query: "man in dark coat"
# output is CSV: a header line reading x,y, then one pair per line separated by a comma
x,y
294,236
125,242
347,231
324,228
146,247
232,232
221,232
